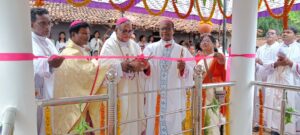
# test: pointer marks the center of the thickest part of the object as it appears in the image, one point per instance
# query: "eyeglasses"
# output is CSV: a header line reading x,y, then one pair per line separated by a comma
x,y
126,31
270,33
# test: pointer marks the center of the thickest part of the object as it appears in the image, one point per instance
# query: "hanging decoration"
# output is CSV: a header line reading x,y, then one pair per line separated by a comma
x,y
259,4
220,5
205,27
119,116
286,9
261,112
157,117
79,4
122,9
39,3
187,124
205,19
179,14
102,118
157,13
227,110
203,109
47,119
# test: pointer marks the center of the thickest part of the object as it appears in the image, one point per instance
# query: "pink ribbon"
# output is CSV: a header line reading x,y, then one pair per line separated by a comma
x,y
30,56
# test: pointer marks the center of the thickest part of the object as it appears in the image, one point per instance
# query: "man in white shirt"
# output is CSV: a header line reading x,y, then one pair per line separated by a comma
x,y
265,55
285,70
43,68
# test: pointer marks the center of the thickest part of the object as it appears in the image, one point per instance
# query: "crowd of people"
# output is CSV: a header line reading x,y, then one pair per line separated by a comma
x,y
58,77
278,62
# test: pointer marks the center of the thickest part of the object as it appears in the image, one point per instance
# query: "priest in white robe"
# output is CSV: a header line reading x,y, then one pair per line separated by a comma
x,y
129,77
265,55
165,75
286,70
43,68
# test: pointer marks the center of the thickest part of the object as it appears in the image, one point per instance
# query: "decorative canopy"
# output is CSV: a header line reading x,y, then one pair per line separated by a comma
x,y
104,11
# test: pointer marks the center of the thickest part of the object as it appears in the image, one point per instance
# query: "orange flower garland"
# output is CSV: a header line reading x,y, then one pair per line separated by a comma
x,y
287,8
39,3
259,4
79,4
206,19
227,110
153,13
261,112
47,119
188,114
203,110
221,10
179,14
102,118
157,117
119,116
131,3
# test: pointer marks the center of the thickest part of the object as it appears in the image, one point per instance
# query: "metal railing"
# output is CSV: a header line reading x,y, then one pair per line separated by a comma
x,y
8,121
111,98
282,110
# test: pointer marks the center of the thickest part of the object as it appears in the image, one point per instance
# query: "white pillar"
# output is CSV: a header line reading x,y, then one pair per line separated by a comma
x,y
16,77
244,26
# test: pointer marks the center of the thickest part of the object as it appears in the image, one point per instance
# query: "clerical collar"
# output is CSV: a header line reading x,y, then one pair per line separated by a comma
x,y
167,44
37,36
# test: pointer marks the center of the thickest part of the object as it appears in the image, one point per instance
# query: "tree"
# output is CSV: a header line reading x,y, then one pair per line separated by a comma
x,y
266,23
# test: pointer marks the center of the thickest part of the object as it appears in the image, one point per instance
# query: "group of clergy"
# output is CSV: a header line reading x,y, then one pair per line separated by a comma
x,y
57,77
279,63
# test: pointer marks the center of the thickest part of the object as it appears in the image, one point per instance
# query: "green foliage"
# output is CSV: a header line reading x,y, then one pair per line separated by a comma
x,y
215,109
204,2
266,23
82,126
288,115
206,123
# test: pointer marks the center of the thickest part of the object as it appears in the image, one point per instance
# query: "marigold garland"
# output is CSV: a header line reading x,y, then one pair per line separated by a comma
x,y
259,4
221,10
47,119
203,109
261,112
287,7
206,19
179,14
79,4
39,3
119,116
125,8
153,13
188,113
157,117
102,118
227,110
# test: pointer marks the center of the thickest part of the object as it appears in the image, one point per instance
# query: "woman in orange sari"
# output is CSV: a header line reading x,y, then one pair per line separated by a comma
x,y
214,65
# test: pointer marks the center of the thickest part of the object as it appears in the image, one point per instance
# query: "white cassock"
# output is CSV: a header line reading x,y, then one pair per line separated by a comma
x,y
288,76
164,75
268,55
132,105
43,74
